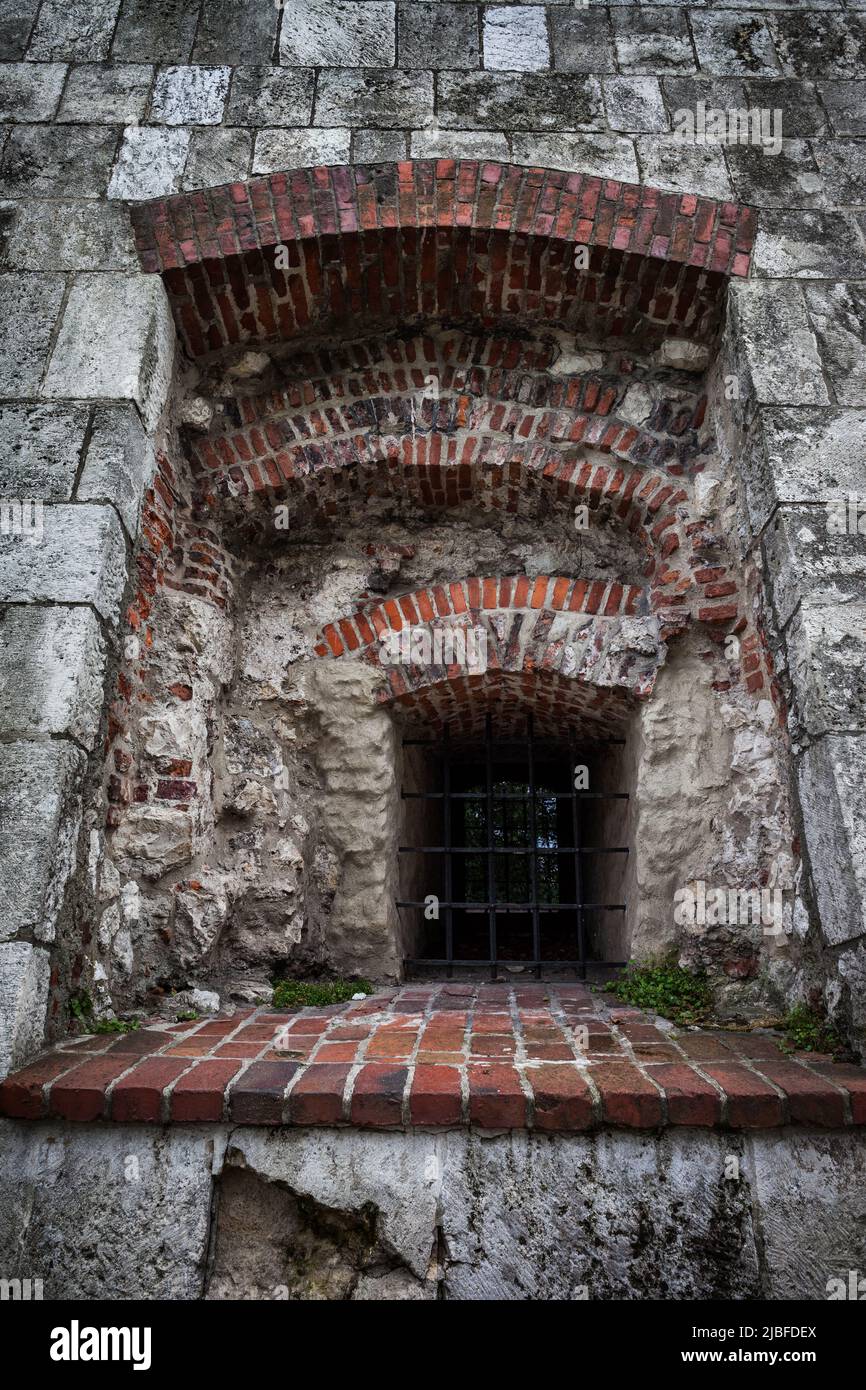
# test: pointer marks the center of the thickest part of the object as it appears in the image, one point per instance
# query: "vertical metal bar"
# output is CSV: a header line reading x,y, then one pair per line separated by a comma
x,y
578,879
533,858
446,836
491,867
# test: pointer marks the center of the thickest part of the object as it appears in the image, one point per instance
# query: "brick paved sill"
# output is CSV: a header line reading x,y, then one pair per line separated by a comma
x,y
529,1056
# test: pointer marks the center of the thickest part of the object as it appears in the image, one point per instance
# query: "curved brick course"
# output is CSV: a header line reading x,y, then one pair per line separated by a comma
x,y
543,1057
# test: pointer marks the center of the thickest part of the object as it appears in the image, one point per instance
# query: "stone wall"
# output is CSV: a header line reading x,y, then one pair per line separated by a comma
x,y
104,103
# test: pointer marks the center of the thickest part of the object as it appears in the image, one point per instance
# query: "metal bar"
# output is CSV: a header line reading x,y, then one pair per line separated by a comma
x,y
491,871
533,862
578,877
513,742
517,796
528,964
512,849
519,907
449,863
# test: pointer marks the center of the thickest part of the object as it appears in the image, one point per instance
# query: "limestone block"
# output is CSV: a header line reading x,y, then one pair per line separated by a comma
x,y
153,839
635,104
111,95
340,34
72,236
40,449
190,95
116,340
40,799
529,101
79,29
119,464
30,91
444,35
371,97
602,156
832,779
269,96
813,245
236,31
838,315
515,38
778,343
453,144
803,455
287,149
61,161
148,33
217,157
807,560
150,163
24,976
668,163
81,558
826,652
52,672
28,310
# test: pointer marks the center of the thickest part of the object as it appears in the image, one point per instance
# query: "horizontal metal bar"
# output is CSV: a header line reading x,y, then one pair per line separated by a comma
x,y
516,907
514,796
528,964
514,743
540,850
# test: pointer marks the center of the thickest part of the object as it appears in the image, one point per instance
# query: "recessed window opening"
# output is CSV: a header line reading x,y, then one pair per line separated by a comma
x,y
513,854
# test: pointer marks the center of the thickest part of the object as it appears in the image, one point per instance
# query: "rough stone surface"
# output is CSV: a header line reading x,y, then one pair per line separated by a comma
x,y
81,558
52,672
71,236
24,971
26,325
118,464
40,450
115,95
190,95
831,791
515,38
150,162
30,93
339,33
41,816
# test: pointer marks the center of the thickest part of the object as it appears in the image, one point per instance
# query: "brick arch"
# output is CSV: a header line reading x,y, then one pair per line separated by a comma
x,y
455,239
553,643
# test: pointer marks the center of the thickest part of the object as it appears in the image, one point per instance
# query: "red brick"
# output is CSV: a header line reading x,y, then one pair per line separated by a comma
x,y
496,1098
316,1098
752,1103
852,1079
563,1100
80,1094
257,1097
21,1094
690,1099
435,1097
138,1096
811,1099
627,1096
377,1096
199,1095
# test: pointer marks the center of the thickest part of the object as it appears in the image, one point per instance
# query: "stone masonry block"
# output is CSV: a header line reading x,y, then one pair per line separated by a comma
x,y
832,786
148,33
582,40
72,236
116,341
52,672
515,38
653,41
57,162
290,149
106,95
150,163
778,343
511,101
119,464
733,45
811,245
367,97
190,96
81,558
30,91
24,977
29,306
807,455
78,29
217,157
634,104
40,450
826,654
339,34
236,31
448,31
604,156
270,96
838,316
807,560
16,22
40,791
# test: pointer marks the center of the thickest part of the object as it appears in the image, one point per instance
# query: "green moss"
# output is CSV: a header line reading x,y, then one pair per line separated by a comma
x,y
190,1016
295,994
807,1030
666,989
81,1007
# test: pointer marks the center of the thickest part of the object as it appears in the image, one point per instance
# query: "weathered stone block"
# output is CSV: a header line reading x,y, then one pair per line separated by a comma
x,y
57,162
803,455
653,41
346,96
72,236
463,144
768,314
731,45
838,316
16,22
28,312
378,146
217,157
288,149
808,561
668,163
190,96
787,179
40,791
843,166
30,91
814,245
832,785
531,101
813,45
515,38
604,156
79,29
52,670
236,31
153,839
110,95
635,104
24,977
270,96
826,654
340,33
803,116
130,360
119,463
846,104
582,40
40,450
148,33
440,34
81,558
150,163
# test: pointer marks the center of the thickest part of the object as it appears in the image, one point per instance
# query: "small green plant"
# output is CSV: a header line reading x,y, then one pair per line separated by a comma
x,y
666,989
295,994
190,1016
807,1030
81,1008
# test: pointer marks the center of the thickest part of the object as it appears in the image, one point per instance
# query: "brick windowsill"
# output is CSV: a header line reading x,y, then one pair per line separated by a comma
x,y
534,1056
